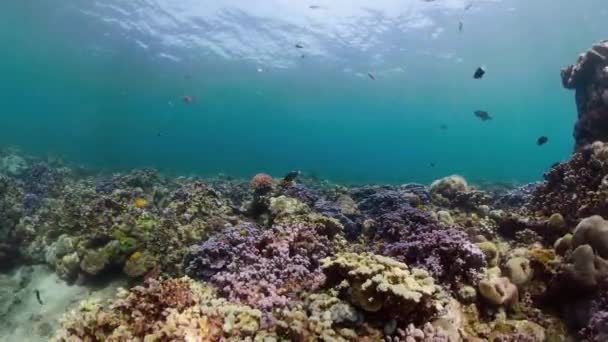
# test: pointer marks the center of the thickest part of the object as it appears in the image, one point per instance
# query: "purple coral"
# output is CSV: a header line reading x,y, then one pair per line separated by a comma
x,y
351,223
597,329
399,224
300,192
395,218
379,200
446,253
264,269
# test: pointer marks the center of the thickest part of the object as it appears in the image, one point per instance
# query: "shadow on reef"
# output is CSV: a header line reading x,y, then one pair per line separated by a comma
x,y
304,260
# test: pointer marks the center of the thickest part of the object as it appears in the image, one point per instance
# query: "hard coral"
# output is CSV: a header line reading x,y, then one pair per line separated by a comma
x,y
446,253
145,305
597,328
589,77
575,189
262,268
166,310
261,183
384,286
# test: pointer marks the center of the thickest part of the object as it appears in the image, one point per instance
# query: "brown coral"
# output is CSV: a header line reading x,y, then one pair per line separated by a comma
x,y
589,77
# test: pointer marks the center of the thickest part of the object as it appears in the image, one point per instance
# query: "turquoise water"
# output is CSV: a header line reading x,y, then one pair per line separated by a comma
x,y
96,82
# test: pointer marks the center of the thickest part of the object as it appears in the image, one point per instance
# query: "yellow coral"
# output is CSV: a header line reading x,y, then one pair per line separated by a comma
x,y
544,257
141,203
136,256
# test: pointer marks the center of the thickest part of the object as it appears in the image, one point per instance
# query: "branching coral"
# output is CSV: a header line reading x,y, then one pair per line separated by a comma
x,y
166,310
262,268
446,253
261,183
597,328
576,188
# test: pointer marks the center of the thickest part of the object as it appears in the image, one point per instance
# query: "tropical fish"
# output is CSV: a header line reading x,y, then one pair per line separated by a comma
x,y
291,176
370,75
542,140
38,297
479,73
483,115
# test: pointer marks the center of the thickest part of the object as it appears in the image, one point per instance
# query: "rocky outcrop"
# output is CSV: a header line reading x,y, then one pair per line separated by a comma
x,y
589,77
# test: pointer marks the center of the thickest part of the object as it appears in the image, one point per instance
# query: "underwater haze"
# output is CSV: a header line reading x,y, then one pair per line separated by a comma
x,y
350,90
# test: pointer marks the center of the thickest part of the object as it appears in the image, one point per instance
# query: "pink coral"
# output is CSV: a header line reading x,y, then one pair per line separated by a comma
x,y
261,182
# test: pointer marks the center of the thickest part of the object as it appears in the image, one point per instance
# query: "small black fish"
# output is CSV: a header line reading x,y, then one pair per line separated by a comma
x,y
554,165
38,297
460,26
443,127
432,164
468,6
290,177
370,75
299,46
188,99
479,73
542,140
314,6
483,115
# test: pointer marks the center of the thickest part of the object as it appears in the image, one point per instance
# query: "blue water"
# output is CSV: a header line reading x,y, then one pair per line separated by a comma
x,y
96,82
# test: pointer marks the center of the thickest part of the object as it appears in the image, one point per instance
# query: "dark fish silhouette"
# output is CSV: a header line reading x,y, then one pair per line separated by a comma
x,y
370,75
290,177
542,140
443,127
188,99
483,115
479,73
299,46
554,165
432,164
468,7
38,297
314,6
460,26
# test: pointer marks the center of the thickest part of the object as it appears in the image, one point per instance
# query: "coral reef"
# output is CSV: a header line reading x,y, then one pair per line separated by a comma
x,y
446,253
577,188
384,286
264,269
589,77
